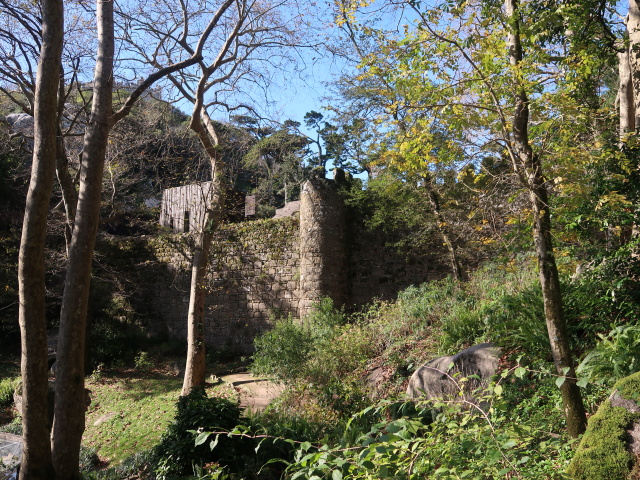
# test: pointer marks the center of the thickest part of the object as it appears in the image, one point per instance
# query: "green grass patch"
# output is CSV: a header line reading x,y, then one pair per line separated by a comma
x,y
132,412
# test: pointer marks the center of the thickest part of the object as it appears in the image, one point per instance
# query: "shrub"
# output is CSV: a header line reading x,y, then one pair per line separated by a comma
x,y
452,442
131,467
7,387
513,320
143,362
115,334
176,454
89,459
606,292
614,357
14,428
283,351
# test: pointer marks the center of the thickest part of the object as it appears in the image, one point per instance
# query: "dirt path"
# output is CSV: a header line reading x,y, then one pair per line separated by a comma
x,y
255,392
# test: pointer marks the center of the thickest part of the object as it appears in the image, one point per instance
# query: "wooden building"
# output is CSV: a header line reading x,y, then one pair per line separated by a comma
x,y
183,208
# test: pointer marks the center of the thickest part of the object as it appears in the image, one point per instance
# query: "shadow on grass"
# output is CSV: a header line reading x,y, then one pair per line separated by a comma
x,y
134,385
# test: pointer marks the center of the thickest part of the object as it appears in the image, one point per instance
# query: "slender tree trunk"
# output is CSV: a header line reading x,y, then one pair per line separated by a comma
x,y
70,393
434,201
625,95
633,27
69,195
530,168
195,370
36,460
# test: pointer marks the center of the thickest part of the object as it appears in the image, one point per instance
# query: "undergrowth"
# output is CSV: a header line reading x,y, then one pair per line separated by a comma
x,y
334,421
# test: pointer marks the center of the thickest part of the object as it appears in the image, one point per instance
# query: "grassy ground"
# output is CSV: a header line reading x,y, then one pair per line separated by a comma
x,y
130,410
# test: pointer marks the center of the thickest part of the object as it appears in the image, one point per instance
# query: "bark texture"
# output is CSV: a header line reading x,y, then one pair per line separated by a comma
x,y
626,102
36,460
195,370
633,27
70,400
529,167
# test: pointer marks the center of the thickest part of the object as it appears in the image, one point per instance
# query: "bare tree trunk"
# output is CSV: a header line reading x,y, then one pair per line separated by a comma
x,y
36,460
69,195
625,95
529,167
195,370
70,394
434,201
633,27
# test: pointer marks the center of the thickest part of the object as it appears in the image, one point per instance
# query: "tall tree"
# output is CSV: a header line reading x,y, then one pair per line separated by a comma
x,y
36,460
70,395
633,57
253,27
68,424
249,39
528,166
452,70
278,163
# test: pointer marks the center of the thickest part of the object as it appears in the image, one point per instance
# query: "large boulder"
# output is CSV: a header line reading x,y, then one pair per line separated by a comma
x,y
22,122
610,448
440,378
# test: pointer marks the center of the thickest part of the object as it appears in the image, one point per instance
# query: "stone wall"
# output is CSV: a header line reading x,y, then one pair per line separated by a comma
x,y
378,271
253,276
271,268
323,245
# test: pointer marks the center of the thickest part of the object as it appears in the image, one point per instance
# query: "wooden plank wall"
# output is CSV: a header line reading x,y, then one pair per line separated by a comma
x,y
183,207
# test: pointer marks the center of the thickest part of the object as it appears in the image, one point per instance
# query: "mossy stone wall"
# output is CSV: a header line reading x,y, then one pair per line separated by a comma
x,y
253,277
265,269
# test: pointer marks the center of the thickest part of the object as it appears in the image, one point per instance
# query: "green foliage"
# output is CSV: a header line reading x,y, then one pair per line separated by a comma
x,y
9,332
14,428
133,465
115,334
323,318
176,454
606,292
496,305
321,355
615,356
429,301
460,442
511,320
7,387
283,351
89,459
143,362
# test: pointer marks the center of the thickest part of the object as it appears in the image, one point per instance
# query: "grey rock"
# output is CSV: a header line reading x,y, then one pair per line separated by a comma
x,y
20,121
105,418
440,378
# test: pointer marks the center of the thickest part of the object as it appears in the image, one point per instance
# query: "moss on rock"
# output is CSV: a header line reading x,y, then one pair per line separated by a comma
x,y
603,451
